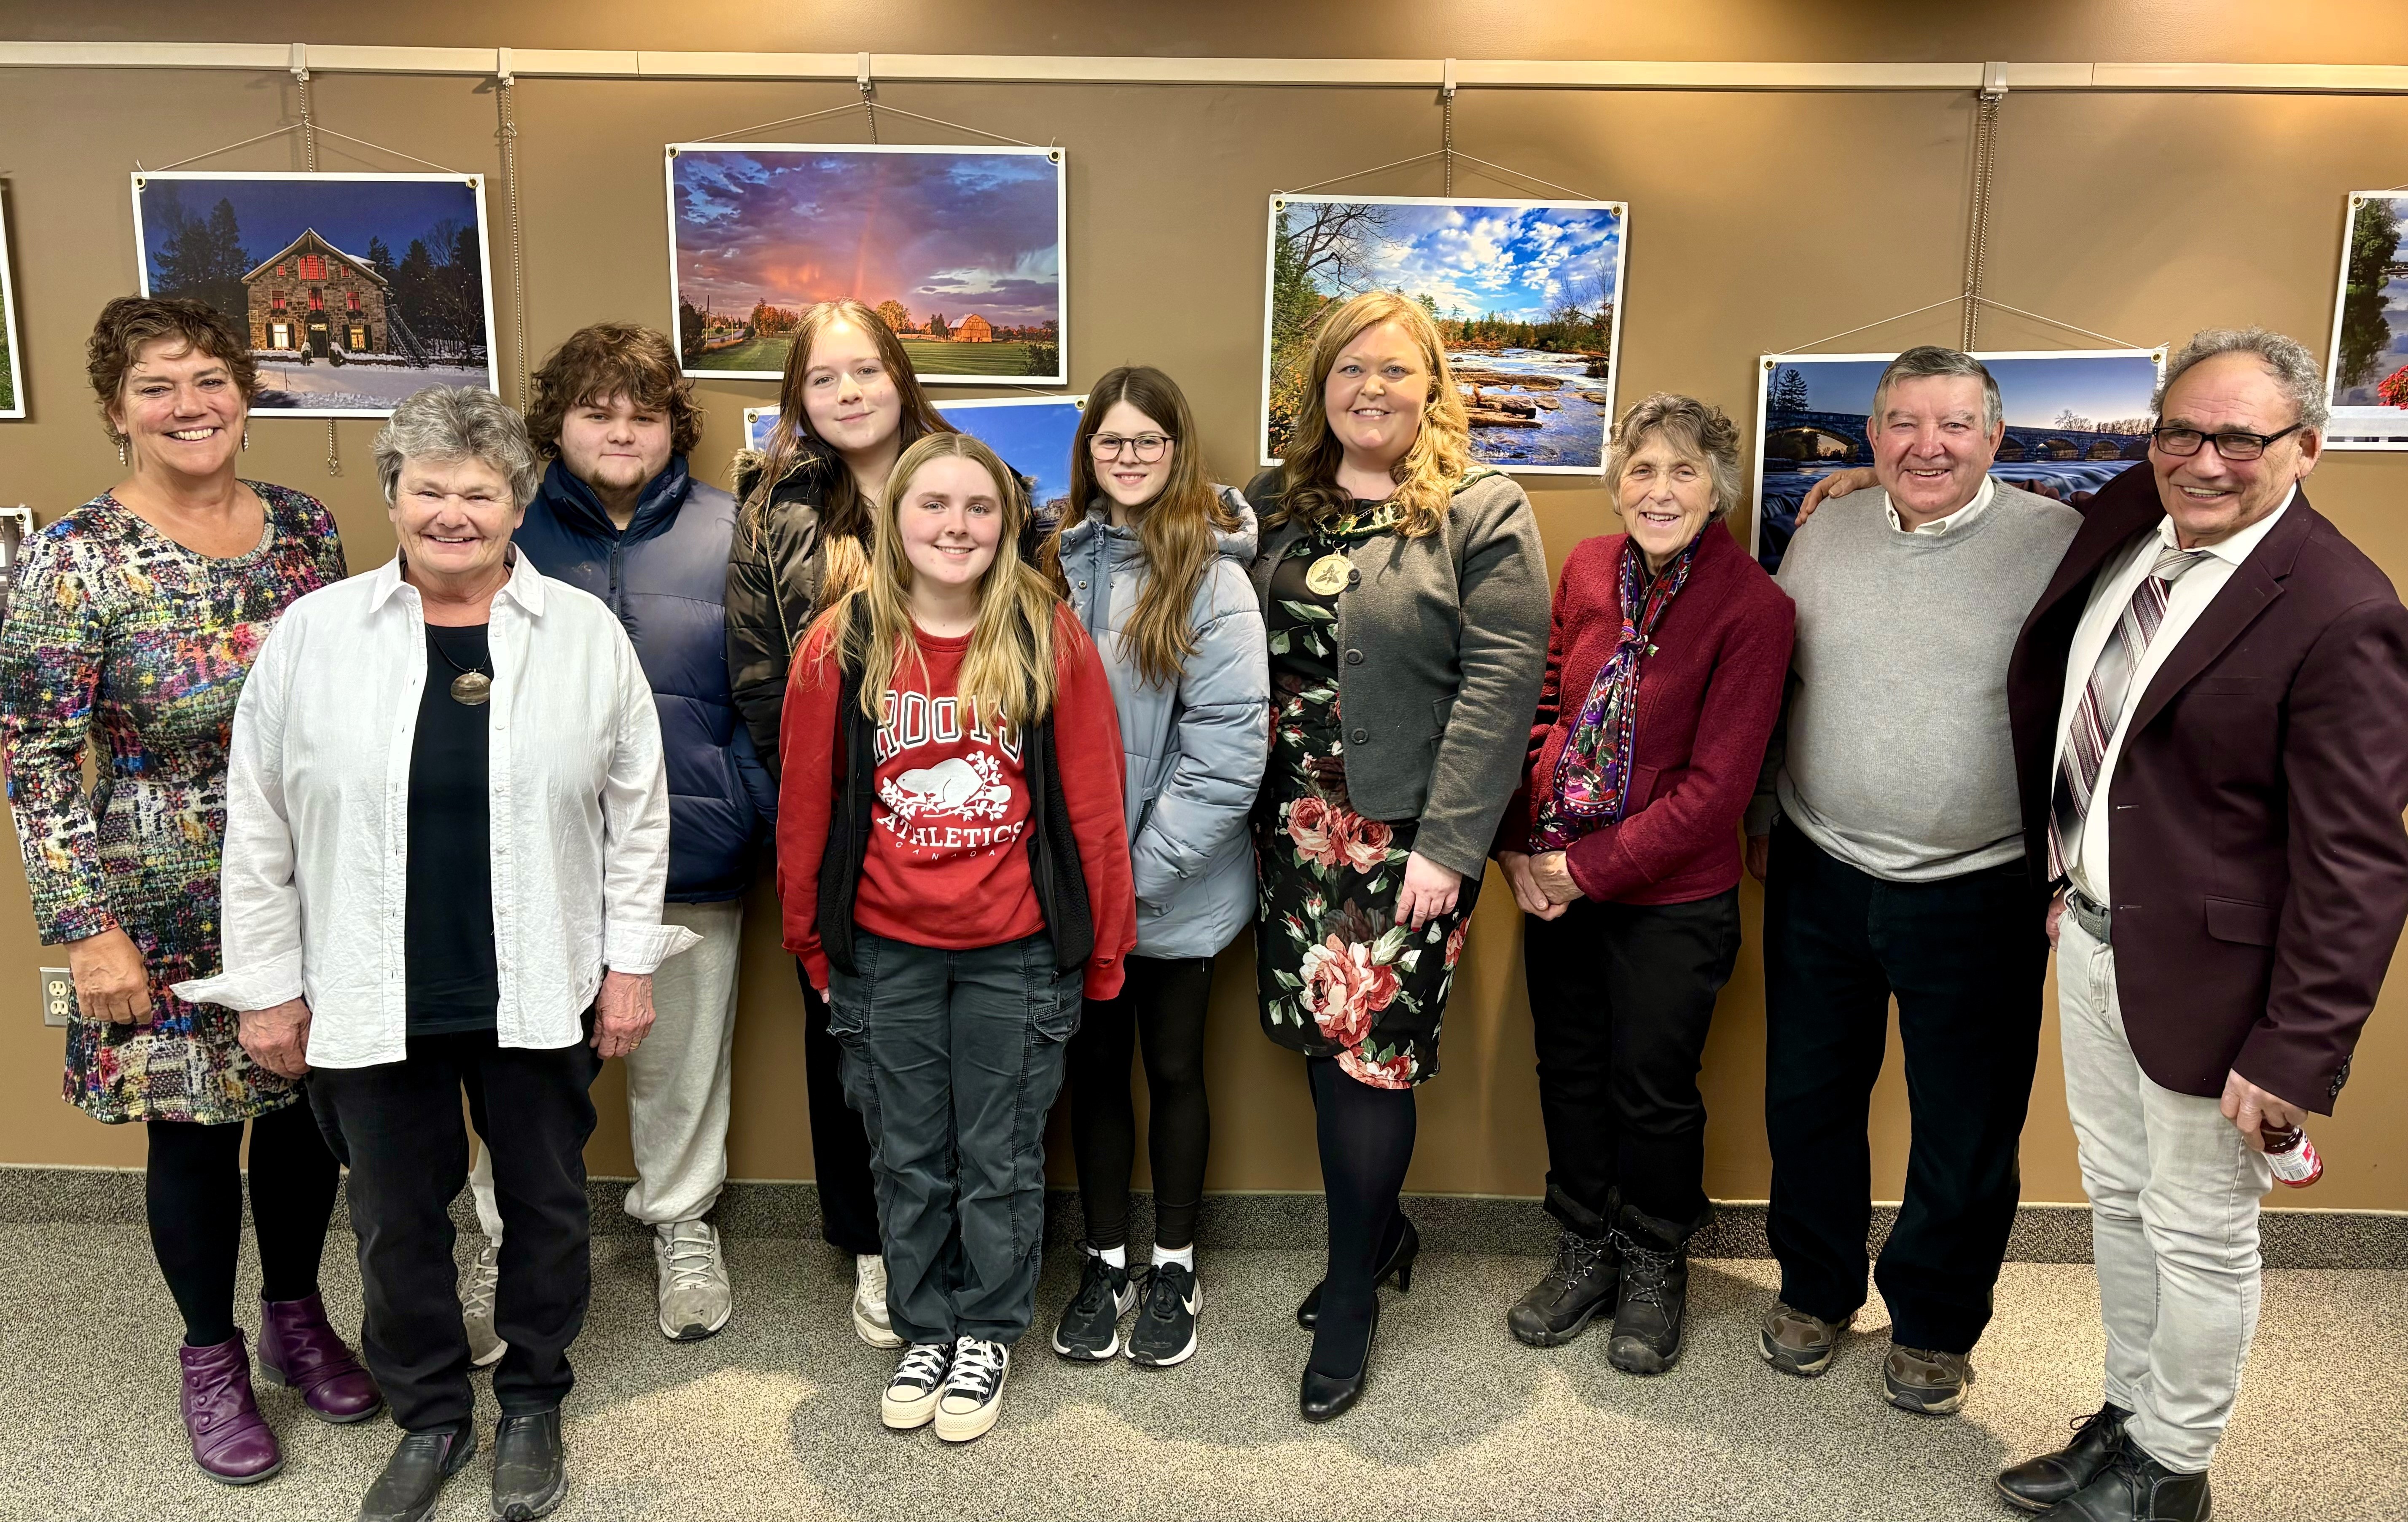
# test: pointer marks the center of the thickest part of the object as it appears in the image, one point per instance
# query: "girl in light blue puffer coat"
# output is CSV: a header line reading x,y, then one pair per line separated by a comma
x,y
1153,557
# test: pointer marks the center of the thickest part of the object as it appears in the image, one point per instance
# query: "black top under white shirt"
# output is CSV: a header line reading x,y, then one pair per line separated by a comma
x,y
447,931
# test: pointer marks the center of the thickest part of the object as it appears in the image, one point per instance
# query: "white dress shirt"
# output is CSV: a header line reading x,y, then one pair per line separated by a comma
x,y
2111,592
1961,517
315,882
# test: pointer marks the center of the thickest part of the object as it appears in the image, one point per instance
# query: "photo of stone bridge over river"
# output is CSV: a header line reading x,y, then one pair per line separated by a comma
x,y
2073,423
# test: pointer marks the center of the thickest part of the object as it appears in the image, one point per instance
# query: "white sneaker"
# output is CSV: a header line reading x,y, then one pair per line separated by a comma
x,y
869,1319
477,1287
918,1381
974,1397
694,1299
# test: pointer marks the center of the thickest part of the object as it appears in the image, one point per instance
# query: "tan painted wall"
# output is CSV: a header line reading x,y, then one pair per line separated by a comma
x,y
1757,222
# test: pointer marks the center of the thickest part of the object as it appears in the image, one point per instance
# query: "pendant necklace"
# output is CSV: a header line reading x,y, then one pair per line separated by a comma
x,y
473,686
1328,575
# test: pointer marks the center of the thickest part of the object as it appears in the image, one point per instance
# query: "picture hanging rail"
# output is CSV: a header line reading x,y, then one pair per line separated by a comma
x,y
1526,297
2075,419
355,289
960,249
12,364
2366,372
1032,435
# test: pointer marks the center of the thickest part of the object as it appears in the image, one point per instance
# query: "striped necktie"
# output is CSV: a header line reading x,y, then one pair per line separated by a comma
x,y
2102,705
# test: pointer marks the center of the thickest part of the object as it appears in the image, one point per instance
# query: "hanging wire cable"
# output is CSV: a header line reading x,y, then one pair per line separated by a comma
x,y
1446,102
508,105
781,121
870,105
1977,235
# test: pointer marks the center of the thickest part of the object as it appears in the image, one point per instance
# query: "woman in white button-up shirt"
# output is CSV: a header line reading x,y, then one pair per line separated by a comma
x,y
446,842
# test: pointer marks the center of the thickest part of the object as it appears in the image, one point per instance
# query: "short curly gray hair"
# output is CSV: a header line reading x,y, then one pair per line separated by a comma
x,y
2295,370
1698,429
458,422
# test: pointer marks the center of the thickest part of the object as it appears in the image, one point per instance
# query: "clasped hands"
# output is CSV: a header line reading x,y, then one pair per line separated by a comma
x,y
1541,882
278,1038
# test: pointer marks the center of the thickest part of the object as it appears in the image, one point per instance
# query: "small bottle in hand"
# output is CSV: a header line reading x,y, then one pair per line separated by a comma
x,y
2293,1156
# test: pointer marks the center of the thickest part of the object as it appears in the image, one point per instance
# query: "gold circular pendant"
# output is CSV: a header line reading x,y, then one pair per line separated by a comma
x,y
1329,575
472,688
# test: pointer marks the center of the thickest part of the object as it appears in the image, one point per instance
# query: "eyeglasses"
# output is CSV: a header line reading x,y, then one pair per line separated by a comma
x,y
2185,442
1149,447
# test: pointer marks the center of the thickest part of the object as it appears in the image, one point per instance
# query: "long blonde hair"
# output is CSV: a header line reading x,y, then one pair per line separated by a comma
x,y
1431,469
791,446
1176,529
1008,674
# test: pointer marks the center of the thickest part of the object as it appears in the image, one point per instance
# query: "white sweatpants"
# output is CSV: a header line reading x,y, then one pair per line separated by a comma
x,y
2173,1222
677,1079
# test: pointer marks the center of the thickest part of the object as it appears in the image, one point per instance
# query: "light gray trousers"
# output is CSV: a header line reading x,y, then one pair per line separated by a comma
x,y
677,1079
2173,1222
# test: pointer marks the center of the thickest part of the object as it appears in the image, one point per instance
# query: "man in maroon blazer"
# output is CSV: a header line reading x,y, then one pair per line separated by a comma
x,y
2210,706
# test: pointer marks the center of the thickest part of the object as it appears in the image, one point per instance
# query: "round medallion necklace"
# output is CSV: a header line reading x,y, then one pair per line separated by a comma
x,y
473,686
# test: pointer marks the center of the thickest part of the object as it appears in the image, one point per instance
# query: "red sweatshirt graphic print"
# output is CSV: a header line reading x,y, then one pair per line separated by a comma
x,y
947,864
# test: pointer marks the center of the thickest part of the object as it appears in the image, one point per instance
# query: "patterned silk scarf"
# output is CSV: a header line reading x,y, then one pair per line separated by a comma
x,y
1594,771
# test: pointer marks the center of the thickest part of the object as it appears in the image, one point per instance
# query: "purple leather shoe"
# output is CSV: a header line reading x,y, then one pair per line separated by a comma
x,y
299,1348
231,1441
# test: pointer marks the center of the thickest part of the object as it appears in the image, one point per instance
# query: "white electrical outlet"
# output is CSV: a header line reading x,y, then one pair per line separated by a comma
x,y
58,994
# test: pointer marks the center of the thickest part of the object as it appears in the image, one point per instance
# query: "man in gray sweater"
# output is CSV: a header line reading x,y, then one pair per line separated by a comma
x,y
1890,818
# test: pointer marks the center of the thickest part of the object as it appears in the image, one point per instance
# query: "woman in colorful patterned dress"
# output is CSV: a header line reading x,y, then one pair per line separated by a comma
x,y
133,621
1405,597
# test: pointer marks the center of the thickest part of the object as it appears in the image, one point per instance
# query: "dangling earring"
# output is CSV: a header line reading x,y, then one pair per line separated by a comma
x,y
246,436
120,449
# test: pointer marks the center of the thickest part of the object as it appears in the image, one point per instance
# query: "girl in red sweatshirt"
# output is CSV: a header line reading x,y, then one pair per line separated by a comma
x,y
955,876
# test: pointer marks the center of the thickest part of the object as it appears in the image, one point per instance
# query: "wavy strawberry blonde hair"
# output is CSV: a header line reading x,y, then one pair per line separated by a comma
x,y
1431,470
1008,673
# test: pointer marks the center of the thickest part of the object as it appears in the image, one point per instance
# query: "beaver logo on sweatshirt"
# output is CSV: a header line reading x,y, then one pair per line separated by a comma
x,y
964,798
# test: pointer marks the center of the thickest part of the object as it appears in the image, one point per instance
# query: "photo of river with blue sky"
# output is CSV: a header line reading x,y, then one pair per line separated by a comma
x,y
1032,433
2075,419
1525,294
2367,371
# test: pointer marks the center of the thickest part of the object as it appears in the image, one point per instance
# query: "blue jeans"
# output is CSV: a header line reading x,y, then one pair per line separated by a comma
x,y
952,1060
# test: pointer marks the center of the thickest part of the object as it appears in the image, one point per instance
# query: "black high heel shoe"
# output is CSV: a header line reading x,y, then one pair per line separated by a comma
x,y
1399,1264
1323,1397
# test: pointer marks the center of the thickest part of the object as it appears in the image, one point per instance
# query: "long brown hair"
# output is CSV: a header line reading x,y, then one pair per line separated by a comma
x,y
1431,469
1175,529
1009,672
791,446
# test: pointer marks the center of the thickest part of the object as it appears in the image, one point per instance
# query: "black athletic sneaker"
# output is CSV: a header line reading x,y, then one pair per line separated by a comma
x,y
1165,1333
1090,1331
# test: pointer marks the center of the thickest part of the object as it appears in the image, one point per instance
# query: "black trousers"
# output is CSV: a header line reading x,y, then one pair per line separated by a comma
x,y
1164,1002
840,1142
1621,999
397,1125
1964,957
193,1194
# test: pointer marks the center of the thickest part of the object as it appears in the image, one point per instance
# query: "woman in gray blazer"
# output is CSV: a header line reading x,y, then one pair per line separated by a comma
x,y
1404,592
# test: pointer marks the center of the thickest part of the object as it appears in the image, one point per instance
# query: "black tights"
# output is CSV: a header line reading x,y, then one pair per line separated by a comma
x,y
1366,1143
194,1195
1164,1001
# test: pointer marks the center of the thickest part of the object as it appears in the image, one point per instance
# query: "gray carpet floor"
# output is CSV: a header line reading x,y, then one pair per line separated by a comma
x,y
776,1417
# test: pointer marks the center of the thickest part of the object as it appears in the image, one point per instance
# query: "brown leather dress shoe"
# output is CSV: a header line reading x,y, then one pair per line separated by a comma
x,y
1926,1381
1798,1343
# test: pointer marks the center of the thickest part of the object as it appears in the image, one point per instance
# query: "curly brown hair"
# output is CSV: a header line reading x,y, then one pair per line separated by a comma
x,y
613,359
129,324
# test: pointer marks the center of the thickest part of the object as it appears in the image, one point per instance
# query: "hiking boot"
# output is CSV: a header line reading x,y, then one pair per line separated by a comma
x,y
2038,1483
1587,1274
1090,1328
1797,1343
1652,1302
1926,1381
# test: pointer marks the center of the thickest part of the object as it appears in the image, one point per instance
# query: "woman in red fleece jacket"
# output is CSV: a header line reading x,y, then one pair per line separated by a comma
x,y
955,874
1665,670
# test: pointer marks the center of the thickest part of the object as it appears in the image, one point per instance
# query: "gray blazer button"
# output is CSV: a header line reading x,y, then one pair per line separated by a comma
x,y
1354,657
1362,737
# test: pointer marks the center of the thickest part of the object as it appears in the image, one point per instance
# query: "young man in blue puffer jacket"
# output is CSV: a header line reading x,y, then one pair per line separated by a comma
x,y
619,517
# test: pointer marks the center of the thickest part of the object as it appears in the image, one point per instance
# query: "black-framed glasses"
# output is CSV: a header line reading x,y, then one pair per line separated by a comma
x,y
2234,445
1148,447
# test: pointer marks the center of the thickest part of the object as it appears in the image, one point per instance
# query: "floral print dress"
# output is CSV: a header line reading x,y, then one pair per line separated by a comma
x,y
115,631
1336,974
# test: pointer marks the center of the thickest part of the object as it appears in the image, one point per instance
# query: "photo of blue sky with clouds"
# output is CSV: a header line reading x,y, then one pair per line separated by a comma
x,y
1522,263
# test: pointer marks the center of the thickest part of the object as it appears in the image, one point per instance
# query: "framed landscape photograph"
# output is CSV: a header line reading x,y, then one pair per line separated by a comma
x,y
1526,294
356,289
2076,418
12,370
1032,433
959,249
2366,374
